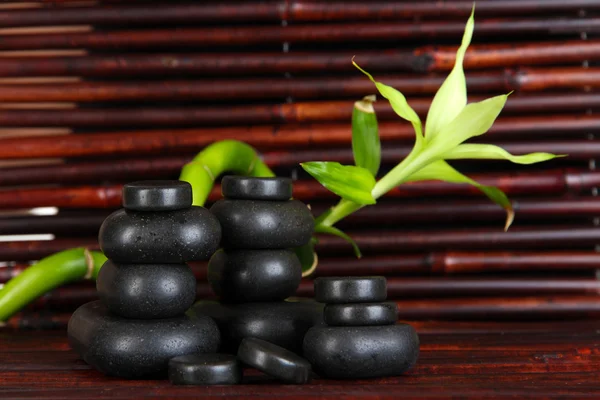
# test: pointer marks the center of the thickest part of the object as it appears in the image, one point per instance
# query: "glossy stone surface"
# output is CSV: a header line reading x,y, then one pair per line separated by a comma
x,y
205,369
157,195
274,361
249,188
162,237
363,289
254,275
361,314
146,291
282,323
134,348
362,351
255,224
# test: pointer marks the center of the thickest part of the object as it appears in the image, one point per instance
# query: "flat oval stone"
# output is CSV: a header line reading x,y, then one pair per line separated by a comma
x,y
254,275
364,289
255,224
164,237
274,361
157,195
205,369
135,348
361,314
249,188
282,323
361,352
146,291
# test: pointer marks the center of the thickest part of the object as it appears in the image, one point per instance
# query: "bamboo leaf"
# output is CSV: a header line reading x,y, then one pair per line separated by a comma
x,y
347,181
451,97
332,230
366,146
491,152
441,170
474,120
399,105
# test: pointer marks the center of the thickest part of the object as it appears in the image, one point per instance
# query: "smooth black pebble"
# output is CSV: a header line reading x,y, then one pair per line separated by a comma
x,y
274,360
157,195
135,348
361,314
249,188
254,275
362,351
205,369
257,224
364,289
283,323
136,237
146,291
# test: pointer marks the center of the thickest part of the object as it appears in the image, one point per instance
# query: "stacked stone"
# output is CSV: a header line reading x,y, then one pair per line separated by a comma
x,y
146,287
256,270
362,339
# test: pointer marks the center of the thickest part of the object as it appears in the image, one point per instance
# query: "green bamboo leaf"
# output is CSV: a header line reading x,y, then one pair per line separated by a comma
x,y
451,97
474,120
366,146
491,152
399,105
347,181
332,230
441,170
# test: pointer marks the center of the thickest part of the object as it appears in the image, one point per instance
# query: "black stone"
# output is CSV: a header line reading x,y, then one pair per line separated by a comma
x,y
254,275
134,348
362,351
205,369
364,289
255,224
361,314
163,237
282,323
146,291
248,188
274,360
157,195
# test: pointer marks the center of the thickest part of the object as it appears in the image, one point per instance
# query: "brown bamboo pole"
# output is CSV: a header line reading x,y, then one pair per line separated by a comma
x,y
386,213
265,137
517,238
295,10
525,80
526,308
298,112
109,196
330,33
421,59
565,237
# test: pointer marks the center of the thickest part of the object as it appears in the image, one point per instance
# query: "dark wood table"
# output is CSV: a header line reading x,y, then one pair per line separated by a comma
x,y
466,360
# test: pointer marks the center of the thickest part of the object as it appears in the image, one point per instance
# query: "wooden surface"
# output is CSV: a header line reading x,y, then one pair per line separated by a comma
x,y
466,360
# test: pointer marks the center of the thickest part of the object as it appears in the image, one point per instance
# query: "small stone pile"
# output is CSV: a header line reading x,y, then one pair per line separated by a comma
x,y
362,339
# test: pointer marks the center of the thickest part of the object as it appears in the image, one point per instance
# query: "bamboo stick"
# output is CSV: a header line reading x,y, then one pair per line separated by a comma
x,y
421,59
330,33
265,137
298,112
525,80
296,10
565,237
109,196
386,213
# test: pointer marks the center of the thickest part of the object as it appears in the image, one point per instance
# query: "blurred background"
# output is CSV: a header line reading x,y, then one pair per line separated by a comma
x,y
94,94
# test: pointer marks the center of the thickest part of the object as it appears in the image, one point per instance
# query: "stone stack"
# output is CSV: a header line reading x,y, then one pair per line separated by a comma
x,y
146,287
256,270
362,339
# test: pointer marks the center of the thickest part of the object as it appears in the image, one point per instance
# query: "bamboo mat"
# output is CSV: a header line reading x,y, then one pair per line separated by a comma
x,y
94,94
